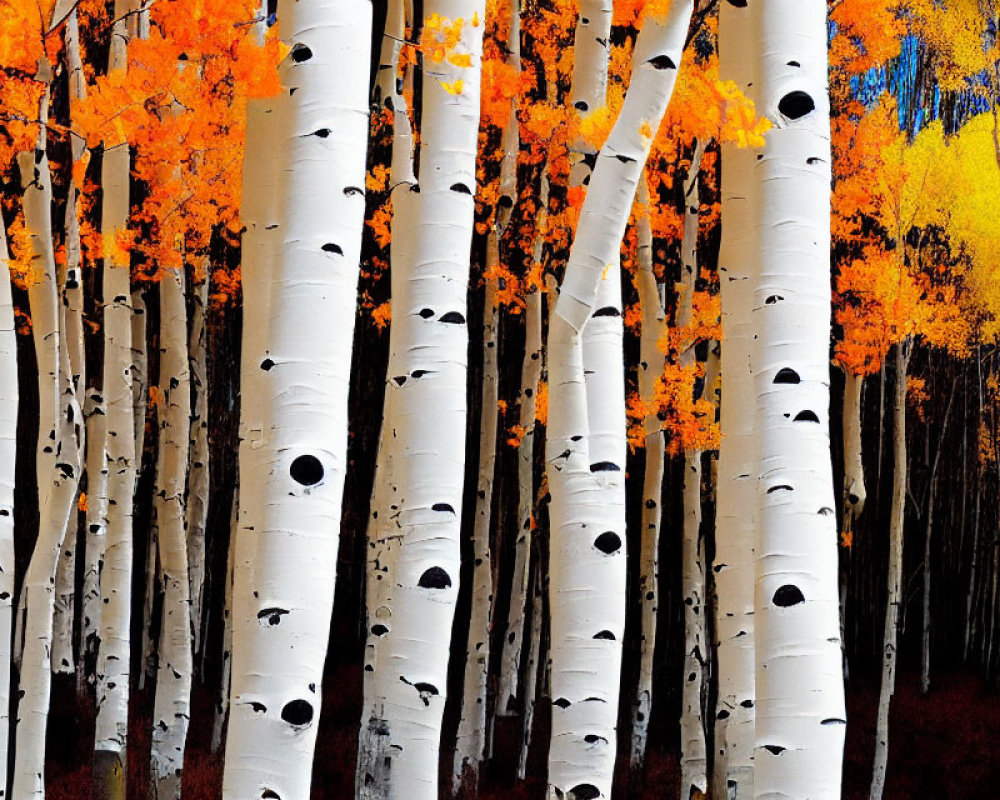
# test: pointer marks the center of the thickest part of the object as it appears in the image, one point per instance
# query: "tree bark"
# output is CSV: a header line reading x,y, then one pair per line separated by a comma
x,y
800,714
587,555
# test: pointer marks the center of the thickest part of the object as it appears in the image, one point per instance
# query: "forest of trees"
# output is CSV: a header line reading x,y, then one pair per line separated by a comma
x,y
415,399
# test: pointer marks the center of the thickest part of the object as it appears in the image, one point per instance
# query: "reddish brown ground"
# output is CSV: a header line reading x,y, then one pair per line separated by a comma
x,y
943,747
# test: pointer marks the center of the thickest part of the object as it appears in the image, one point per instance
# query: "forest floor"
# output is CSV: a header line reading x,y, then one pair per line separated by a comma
x,y
942,747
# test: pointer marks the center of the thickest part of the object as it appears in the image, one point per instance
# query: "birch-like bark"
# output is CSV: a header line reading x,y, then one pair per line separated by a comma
x,y
57,463
693,754
735,527
895,580
800,715
400,742
471,742
172,704
198,459
651,364
534,657
587,555
139,365
95,416
116,577
9,400
283,605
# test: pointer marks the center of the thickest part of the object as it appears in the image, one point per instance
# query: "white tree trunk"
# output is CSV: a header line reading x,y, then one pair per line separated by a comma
x,y
895,580
283,604
735,528
57,465
172,704
139,365
693,755
651,365
854,472
471,744
800,720
198,464
400,742
587,556
9,400
116,577
95,416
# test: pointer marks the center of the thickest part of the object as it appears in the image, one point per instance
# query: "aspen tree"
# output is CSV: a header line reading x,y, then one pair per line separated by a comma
x,y
9,402
471,742
57,461
735,515
854,471
400,742
283,603
800,716
693,754
894,589
651,364
172,704
586,583
198,461
382,532
116,576
226,660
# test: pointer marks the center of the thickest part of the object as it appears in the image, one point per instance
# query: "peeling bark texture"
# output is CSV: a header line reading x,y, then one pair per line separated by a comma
x,y
735,527
116,577
854,471
651,365
895,580
95,415
9,401
57,465
693,755
283,602
801,719
198,463
399,749
172,704
585,450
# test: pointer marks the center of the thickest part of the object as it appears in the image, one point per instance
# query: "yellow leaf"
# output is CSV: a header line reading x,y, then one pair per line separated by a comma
x,y
454,87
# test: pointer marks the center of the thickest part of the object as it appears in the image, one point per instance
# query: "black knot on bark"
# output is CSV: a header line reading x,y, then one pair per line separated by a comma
x,y
307,470
581,105
605,466
379,629
453,318
330,247
662,62
301,53
461,188
774,749
787,375
608,542
561,702
352,191
434,578
806,416
788,595
443,507
605,635
607,311
796,105
426,313
297,712
584,791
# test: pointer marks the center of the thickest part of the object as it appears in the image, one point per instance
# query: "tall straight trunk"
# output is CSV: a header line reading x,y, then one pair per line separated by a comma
x,y
283,603
198,460
801,719
534,657
381,534
9,401
587,555
895,580
925,649
95,416
970,609
470,745
472,738
736,518
172,704
225,660
116,577
57,464
693,754
651,365
399,749
139,365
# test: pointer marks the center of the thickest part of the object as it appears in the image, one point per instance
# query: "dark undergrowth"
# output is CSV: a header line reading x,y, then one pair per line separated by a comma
x,y
942,747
